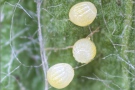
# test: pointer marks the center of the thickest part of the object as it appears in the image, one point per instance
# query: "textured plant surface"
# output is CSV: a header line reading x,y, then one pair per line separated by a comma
x,y
113,68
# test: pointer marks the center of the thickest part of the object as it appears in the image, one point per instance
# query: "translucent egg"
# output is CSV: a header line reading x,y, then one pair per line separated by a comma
x,y
84,50
60,75
83,14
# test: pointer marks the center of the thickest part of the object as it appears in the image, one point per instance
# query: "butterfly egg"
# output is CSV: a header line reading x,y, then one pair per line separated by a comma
x,y
84,50
83,14
60,75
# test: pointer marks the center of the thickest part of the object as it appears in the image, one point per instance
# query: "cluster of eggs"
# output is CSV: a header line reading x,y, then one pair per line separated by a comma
x,y
84,50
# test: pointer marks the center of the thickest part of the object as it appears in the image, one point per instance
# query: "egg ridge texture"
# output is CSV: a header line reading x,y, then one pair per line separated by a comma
x,y
84,50
60,75
83,13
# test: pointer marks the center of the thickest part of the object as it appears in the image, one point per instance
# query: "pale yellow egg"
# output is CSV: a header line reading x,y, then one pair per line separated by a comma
x,y
60,75
84,50
83,13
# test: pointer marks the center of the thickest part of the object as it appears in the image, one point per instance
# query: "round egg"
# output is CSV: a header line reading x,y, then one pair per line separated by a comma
x,y
60,75
83,13
84,50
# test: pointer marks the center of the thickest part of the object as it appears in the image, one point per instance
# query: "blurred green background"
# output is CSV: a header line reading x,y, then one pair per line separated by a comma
x,y
113,68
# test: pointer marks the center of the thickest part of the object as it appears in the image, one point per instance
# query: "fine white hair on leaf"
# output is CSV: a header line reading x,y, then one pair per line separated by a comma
x,y
121,59
24,10
11,45
129,72
112,76
113,44
114,27
77,67
123,31
115,76
128,63
55,6
9,73
104,17
47,11
19,6
17,35
109,56
130,51
14,51
96,79
105,82
1,16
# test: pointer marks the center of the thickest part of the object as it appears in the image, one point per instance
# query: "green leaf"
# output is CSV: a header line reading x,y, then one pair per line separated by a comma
x,y
113,68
